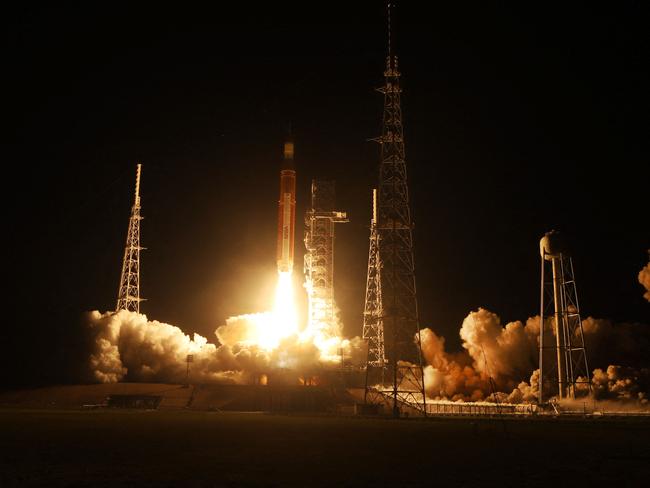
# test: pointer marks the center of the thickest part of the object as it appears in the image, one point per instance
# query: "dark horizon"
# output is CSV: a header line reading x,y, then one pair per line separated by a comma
x,y
517,121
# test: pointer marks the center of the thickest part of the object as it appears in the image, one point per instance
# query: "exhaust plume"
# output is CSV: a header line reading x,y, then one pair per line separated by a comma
x,y
126,346
505,359
506,354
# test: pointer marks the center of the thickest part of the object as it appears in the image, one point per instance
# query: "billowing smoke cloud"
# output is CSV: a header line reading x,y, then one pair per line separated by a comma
x,y
129,347
506,353
644,278
621,383
450,376
500,362
495,358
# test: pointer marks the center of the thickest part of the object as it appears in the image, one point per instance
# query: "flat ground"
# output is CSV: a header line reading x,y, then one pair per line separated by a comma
x,y
188,448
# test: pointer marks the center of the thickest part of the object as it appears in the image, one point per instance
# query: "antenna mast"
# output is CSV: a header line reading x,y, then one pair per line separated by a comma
x,y
128,296
373,325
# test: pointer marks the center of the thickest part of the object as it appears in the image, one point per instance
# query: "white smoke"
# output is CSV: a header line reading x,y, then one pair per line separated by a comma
x,y
128,346
497,361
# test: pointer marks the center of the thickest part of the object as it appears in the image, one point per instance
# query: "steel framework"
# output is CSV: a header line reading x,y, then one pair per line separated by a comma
x,y
399,311
320,222
373,326
128,296
564,357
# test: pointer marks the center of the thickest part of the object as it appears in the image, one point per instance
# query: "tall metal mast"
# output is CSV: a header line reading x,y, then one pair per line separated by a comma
x,y
128,296
373,325
395,242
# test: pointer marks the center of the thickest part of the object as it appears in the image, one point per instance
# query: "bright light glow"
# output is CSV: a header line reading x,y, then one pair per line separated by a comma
x,y
279,331
323,328
283,321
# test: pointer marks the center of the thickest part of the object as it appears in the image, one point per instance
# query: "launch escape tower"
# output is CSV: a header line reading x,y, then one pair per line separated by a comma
x,y
563,368
320,221
395,307
128,297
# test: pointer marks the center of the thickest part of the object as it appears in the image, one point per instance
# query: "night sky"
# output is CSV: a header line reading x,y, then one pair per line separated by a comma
x,y
517,121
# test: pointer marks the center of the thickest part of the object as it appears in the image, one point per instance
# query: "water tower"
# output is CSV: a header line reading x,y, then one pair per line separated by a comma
x,y
563,368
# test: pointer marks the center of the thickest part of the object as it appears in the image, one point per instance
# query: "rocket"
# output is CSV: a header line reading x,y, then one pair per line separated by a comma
x,y
287,210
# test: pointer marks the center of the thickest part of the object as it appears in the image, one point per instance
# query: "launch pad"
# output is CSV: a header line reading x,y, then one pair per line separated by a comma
x,y
334,399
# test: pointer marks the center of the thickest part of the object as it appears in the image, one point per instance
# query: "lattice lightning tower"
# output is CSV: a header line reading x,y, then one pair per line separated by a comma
x,y
395,242
373,326
128,297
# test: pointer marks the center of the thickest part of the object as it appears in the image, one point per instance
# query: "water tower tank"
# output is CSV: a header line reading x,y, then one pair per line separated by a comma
x,y
551,245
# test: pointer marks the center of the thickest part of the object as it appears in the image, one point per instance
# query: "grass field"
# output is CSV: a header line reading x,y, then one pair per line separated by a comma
x,y
185,448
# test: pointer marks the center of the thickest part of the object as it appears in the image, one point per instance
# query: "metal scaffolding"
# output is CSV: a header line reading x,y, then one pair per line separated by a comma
x,y
395,243
128,296
320,222
563,368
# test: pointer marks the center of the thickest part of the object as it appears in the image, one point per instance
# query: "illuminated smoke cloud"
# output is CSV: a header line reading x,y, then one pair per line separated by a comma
x,y
505,353
508,355
621,383
126,346
449,376
525,392
644,278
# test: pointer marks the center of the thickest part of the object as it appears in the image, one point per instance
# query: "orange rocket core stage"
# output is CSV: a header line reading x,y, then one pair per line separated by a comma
x,y
287,211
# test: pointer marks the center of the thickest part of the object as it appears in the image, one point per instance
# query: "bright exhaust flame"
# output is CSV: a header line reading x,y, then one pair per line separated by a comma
x,y
283,321
272,328
280,328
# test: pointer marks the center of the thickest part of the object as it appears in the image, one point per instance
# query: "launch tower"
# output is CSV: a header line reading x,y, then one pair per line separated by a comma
x,y
563,368
398,303
320,221
128,296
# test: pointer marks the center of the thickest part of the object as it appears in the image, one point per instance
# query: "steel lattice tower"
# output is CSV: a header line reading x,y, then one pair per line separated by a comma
x,y
395,242
128,297
373,325
320,221
563,367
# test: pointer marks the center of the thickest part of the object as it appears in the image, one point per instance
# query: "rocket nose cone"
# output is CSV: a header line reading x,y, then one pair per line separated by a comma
x,y
287,162
288,150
